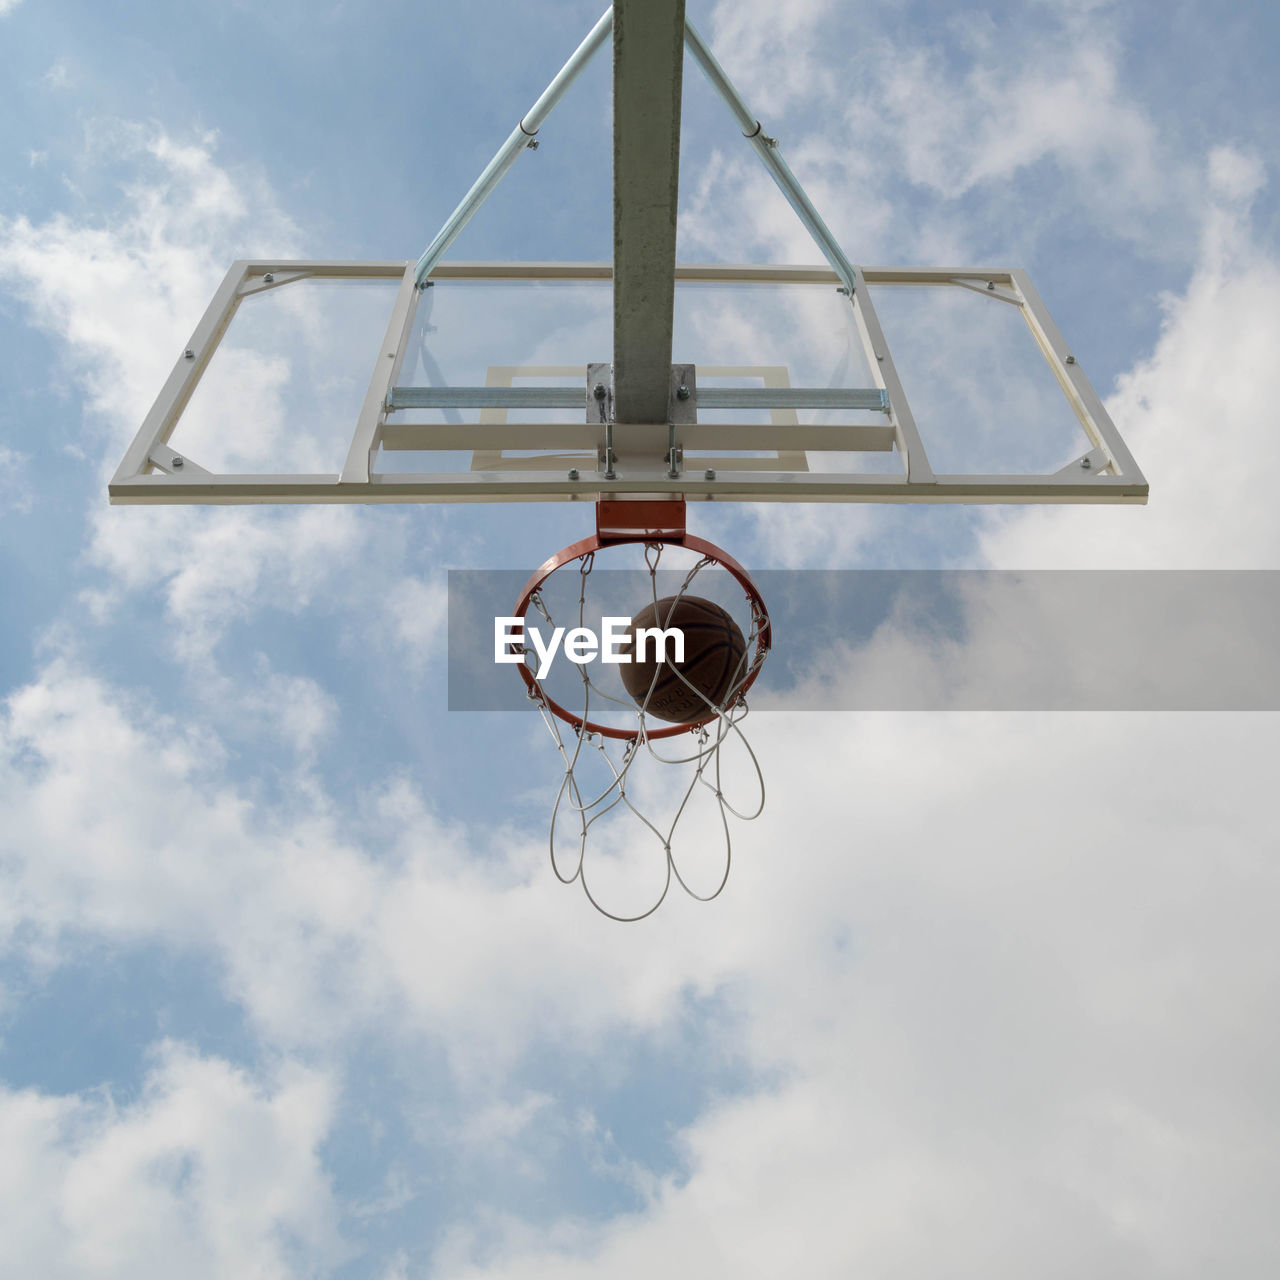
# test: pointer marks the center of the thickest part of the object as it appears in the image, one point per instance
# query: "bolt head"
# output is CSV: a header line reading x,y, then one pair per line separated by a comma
x,y
1085,464
573,473
598,391
268,278
682,392
1071,359
709,473
188,354
991,284
176,463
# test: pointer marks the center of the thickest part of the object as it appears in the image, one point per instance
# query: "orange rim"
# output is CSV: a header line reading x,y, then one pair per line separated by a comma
x,y
575,551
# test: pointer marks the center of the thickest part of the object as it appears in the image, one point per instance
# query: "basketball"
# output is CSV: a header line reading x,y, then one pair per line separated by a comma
x,y
714,653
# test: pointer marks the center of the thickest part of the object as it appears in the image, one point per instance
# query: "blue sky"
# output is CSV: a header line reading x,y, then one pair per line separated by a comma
x,y
286,985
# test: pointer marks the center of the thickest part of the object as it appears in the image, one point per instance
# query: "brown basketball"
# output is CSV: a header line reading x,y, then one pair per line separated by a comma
x,y
714,651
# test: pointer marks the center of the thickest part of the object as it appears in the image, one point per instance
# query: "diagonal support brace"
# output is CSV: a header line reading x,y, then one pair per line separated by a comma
x,y
514,146
767,149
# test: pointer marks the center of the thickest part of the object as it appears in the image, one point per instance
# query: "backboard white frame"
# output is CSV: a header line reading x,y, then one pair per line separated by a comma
x,y
152,472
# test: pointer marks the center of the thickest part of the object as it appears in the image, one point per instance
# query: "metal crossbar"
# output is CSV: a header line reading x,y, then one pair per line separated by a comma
x,y
872,399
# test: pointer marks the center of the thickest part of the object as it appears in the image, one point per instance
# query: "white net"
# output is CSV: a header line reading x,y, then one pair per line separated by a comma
x,y
601,761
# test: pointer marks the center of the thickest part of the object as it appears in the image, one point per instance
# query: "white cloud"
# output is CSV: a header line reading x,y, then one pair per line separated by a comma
x,y
291,709
123,825
777,62
397,1192
1014,977
15,489
207,1173
500,1133
218,566
960,130
418,612
973,106
8,6
983,957
124,292
1235,175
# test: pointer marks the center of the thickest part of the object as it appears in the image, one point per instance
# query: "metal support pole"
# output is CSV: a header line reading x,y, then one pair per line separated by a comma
x,y
512,148
648,66
767,149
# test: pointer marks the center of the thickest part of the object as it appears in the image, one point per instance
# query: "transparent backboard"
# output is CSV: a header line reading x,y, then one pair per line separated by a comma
x,y
344,382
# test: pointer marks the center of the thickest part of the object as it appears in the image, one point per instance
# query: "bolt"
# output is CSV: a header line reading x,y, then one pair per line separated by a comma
x,y
189,354
682,392
1071,359
573,473
709,473
879,356
176,463
598,391
268,278
532,144
991,284
1085,464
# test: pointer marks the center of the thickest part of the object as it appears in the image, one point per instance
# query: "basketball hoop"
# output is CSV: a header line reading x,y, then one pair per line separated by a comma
x,y
647,528
646,433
